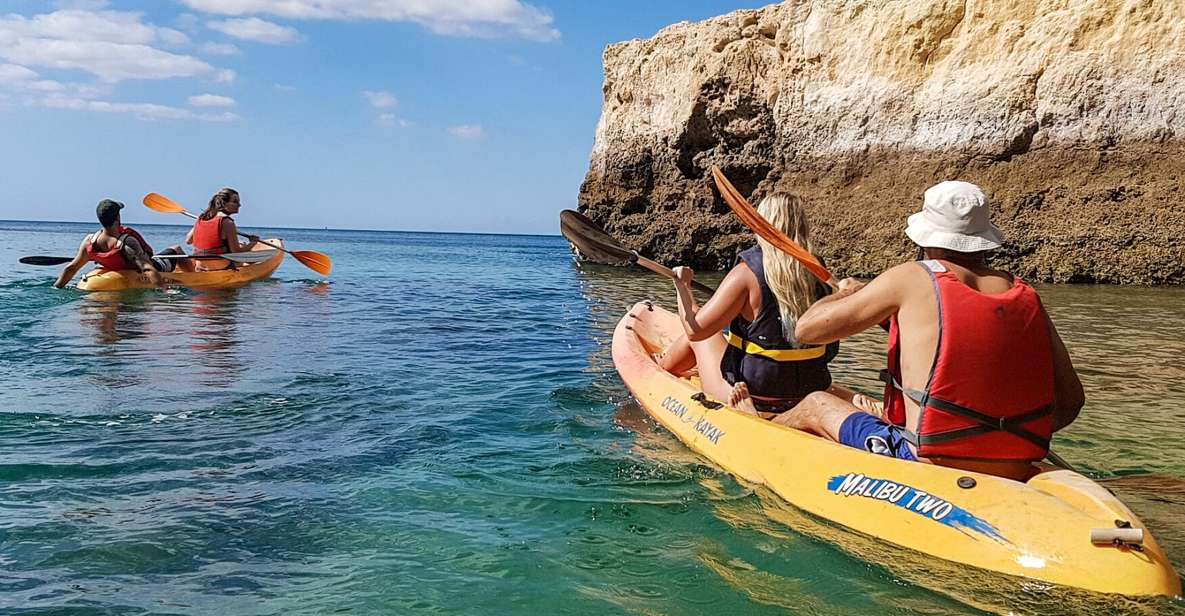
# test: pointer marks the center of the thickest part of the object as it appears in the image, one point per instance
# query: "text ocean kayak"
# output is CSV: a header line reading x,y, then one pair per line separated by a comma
x,y
100,279
1040,529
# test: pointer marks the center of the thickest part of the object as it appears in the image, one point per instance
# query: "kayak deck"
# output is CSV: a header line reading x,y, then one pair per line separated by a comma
x,y
1039,529
100,279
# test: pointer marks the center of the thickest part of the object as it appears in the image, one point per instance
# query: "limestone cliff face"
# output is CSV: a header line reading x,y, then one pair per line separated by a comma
x,y
1069,113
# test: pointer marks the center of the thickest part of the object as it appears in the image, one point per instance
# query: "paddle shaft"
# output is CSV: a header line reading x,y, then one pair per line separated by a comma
x,y
50,261
659,268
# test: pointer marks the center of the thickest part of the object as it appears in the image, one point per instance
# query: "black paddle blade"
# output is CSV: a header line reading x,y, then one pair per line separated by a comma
x,y
37,260
592,242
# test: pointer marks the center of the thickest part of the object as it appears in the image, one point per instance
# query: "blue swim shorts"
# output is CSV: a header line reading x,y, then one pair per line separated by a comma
x,y
871,433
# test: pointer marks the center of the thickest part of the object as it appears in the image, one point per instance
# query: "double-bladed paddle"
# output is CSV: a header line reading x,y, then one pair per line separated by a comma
x,y
311,259
599,247
254,256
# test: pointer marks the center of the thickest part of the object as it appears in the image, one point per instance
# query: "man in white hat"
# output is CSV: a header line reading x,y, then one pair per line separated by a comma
x,y
977,376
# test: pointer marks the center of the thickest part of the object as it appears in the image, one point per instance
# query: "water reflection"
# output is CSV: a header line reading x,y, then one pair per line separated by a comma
x,y
115,316
214,336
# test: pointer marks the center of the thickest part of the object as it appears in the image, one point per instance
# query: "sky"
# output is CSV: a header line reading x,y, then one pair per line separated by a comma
x,y
422,115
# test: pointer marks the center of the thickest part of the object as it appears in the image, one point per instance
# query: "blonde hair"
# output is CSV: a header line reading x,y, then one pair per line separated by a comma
x,y
791,283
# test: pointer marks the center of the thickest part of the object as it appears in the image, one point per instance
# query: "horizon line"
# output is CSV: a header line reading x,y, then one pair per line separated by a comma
x,y
161,224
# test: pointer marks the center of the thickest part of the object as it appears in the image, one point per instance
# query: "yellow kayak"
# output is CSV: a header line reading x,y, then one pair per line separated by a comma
x,y
1041,529
100,279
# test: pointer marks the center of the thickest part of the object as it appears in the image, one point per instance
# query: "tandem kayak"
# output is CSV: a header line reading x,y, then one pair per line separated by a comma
x,y
1041,529
100,279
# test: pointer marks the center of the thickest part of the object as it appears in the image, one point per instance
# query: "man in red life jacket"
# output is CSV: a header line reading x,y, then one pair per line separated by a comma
x,y
977,376
116,247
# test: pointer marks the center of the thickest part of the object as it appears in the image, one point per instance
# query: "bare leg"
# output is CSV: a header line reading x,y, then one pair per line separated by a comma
x,y
678,359
708,353
820,412
179,265
869,405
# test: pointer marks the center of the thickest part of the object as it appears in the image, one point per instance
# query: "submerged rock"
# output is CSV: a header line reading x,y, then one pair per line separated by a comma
x,y
1069,113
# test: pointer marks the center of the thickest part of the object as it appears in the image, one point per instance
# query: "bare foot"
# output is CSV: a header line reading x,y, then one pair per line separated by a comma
x,y
740,399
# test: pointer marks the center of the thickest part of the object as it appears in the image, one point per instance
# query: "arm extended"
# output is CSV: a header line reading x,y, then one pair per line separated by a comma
x,y
72,267
700,323
853,309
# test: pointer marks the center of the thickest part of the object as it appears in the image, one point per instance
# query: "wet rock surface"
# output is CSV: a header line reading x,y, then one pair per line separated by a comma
x,y
1069,113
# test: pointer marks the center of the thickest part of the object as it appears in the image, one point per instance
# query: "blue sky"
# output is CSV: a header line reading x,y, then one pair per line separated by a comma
x,y
452,115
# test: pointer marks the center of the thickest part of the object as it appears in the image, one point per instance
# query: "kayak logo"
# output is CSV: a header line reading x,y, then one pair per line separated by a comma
x,y
913,500
674,406
702,425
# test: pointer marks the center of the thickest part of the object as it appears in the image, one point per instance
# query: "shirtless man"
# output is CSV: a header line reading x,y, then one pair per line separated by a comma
x,y
977,377
116,247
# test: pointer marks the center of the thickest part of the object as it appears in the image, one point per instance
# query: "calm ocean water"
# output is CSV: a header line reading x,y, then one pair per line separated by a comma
x,y
438,428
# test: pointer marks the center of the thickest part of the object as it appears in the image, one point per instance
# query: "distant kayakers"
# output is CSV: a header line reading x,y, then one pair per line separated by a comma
x,y
977,376
214,232
116,247
758,364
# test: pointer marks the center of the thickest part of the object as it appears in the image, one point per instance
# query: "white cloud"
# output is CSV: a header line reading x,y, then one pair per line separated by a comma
x,y
390,120
257,30
143,111
467,131
23,79
112,45
467,18
220,49
211,100
285,87
11,73
380,99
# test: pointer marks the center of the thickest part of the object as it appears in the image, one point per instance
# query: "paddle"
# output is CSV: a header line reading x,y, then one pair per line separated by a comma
x,y
599,247
40,260
768,232
311,259
237,257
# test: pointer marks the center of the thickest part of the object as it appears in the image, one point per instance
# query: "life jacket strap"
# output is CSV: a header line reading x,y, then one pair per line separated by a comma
x,y
987,423
752,348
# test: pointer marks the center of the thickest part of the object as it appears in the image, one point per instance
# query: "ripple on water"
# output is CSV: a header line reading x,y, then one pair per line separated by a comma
x,y
380,443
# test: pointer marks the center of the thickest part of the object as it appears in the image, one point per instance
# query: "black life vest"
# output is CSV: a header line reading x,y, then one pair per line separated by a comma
x,y
760,355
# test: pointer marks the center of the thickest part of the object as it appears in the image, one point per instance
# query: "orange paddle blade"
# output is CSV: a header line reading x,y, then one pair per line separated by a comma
x,y
768,232
162,203
313,260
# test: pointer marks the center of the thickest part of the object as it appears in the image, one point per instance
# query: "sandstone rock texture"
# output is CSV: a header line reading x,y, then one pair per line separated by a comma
x,y
1069,113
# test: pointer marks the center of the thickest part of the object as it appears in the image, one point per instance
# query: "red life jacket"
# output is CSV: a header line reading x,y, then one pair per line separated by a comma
x,y
114,259
990,391
207,236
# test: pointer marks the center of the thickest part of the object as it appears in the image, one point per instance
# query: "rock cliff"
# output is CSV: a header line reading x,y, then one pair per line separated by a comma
x,y
1069,113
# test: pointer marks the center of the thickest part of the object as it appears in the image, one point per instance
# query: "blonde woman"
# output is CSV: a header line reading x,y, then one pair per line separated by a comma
x,y
756,365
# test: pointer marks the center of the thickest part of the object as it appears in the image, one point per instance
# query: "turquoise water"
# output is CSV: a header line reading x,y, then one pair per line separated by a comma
x,y
437,428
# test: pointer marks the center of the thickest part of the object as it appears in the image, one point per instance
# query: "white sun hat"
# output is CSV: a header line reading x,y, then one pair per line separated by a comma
x,y
955,215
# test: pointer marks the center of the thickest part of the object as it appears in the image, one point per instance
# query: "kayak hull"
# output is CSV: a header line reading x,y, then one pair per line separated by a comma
x,y
100,279
1038,530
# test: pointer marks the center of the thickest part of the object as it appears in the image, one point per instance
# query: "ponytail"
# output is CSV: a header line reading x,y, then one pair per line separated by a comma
x,y
216,203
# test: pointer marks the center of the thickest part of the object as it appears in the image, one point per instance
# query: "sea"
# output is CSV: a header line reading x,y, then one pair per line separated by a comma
x,y
437,428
